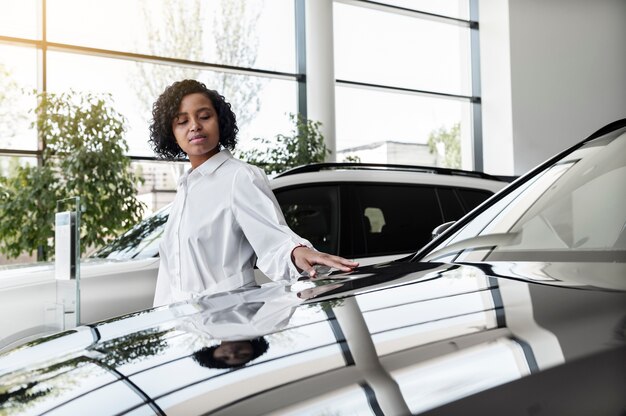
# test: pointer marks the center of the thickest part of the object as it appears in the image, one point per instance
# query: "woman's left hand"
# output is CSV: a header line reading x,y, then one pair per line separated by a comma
x,y
305,258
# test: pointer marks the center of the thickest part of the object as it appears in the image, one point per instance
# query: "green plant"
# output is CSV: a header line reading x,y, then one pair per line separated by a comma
x,y
450,141
352,159
304,145
84,156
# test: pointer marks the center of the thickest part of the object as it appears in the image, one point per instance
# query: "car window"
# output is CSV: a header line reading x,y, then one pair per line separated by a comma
x,y
574,210
140,242
396,218
312,212
450,204
472,198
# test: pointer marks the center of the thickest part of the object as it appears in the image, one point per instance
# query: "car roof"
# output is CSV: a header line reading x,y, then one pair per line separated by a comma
x,y
342,172
317,167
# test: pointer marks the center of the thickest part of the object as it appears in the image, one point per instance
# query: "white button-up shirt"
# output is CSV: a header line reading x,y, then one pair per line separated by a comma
x,y
223,217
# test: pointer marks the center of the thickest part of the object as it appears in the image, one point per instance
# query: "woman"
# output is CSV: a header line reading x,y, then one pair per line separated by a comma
x,y
224,217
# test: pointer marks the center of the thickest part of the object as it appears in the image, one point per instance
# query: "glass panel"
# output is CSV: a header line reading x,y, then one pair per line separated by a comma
x,y
261,104
8,164
397,218
398,126
403,51
450,205
452,8
473,198
312,213
244,33
8,167
159,182
67,259
19,18
18,76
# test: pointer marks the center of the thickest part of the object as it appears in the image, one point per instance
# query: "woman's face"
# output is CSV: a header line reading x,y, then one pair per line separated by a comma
x,y
196,128
234,353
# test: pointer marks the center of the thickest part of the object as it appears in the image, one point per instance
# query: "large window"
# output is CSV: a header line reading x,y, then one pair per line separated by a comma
x,y
403,72
238,33
410,52
133,49
20,19
404,90
403,68
259,102
18,76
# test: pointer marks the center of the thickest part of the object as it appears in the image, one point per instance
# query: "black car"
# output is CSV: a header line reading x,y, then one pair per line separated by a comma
x,y
517,308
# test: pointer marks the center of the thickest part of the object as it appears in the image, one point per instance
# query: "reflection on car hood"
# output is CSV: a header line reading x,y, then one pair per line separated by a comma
x,y
398,337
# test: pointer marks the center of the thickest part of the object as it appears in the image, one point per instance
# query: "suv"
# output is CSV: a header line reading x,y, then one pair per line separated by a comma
x,y
368,212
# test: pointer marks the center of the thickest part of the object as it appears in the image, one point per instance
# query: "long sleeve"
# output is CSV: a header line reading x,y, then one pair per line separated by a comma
x,y
162,294
258,214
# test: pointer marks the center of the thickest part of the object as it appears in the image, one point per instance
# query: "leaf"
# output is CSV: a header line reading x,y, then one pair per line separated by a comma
x,y
304,145
84,136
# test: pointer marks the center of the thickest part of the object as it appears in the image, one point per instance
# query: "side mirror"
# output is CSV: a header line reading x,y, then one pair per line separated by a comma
x,y
438,230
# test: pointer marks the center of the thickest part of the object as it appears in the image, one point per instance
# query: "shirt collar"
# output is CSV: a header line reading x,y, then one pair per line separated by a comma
x,y
209,166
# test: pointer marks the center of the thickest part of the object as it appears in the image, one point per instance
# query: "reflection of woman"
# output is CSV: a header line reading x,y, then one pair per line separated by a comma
x,y
231,354
239,318
225,216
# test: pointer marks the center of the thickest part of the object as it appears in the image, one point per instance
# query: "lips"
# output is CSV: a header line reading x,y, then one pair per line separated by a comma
x,y
197,137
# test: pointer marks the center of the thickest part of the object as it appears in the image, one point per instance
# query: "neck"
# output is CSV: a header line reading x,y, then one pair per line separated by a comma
x,y
197,160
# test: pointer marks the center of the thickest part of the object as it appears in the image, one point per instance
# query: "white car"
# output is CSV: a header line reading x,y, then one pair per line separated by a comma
x,y
367,212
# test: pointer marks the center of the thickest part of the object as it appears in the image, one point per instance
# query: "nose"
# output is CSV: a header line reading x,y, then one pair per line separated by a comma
x,y
194,126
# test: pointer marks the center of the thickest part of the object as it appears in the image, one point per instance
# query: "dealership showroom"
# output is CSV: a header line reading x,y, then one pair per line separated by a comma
x,y
313,207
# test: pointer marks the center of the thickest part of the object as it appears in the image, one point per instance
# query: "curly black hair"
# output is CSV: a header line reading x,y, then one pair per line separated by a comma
x,y
204,356
166,107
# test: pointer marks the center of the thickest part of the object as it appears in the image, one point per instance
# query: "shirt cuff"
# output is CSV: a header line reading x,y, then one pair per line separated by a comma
x,y
293,259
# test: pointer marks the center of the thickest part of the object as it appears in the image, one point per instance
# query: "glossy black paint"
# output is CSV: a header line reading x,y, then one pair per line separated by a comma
x,y
149,358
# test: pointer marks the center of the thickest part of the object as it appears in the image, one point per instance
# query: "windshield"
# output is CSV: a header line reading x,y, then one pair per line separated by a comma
x,y
140,242
573,211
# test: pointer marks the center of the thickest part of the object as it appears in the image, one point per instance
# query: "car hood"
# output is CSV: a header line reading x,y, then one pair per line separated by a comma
x,y
399,337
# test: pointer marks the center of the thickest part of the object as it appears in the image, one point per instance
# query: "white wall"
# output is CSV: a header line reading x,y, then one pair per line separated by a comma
x,y
567,69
